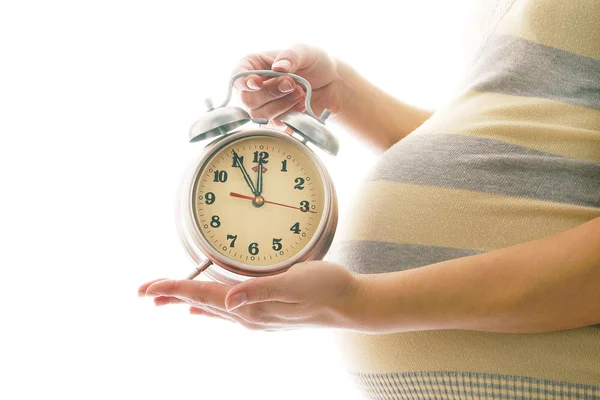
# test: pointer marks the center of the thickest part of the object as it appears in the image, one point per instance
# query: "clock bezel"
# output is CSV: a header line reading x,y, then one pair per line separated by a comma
x,y
230,271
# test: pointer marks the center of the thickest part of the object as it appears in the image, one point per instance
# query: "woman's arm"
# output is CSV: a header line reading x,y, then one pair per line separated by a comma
x,y
356,104
372,114
539,286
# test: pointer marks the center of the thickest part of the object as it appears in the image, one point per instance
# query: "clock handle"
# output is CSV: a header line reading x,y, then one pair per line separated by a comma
x,y
295,77
199,269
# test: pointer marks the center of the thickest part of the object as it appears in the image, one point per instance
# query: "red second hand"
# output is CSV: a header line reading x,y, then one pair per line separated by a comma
x,y
241,196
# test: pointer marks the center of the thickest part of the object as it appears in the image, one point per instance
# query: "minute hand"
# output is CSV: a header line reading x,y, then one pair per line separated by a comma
x,y
244,172
259,179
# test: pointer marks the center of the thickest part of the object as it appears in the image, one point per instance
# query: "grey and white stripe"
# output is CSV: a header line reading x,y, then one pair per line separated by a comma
x,y
516,66
487,165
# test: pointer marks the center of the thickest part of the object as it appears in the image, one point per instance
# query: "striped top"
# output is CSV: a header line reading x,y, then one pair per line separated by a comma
x,y
514,157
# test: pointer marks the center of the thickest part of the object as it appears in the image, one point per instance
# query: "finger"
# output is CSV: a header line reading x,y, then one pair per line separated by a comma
x,y
219,313
257,290
142,289
199,311
273,123
273,313
165,300
192,292
309,62
274,108
237,319
272,89
250,83
276,122
320,96
298,56
252,62
299,107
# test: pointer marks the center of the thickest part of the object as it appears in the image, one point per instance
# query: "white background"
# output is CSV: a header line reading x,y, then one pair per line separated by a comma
x,y
95,102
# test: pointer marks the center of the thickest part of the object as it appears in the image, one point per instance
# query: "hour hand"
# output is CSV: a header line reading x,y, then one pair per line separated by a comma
x,y
238,162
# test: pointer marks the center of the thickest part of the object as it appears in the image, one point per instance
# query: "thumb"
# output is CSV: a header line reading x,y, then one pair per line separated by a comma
x,y
256,290
297,57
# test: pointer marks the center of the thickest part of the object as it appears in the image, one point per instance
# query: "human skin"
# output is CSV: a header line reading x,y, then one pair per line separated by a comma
x,y
491,292
336,86
539,286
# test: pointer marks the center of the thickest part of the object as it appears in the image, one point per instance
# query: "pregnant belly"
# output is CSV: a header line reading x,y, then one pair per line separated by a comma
x,y
456,364
513,158
434,197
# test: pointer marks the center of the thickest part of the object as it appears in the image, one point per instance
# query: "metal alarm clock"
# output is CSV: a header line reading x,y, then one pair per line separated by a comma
x,y
258,200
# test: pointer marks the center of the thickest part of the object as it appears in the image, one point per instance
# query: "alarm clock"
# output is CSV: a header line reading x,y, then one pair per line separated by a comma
x,y
257,200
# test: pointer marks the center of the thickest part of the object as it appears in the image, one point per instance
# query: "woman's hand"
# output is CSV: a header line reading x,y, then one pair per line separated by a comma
x,y
310,294
271,98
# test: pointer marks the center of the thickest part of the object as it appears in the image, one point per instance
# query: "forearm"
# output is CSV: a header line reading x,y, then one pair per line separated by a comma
x,y
539,286
372,114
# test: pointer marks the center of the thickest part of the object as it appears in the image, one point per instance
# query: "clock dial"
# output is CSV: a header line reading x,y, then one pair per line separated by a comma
x,y
259,200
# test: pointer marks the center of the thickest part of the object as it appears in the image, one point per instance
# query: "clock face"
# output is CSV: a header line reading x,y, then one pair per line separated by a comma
x,y
259,200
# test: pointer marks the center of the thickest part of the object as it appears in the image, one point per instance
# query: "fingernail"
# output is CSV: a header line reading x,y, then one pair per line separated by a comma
x,y
153,294
282,64
285,86
251,84
237,300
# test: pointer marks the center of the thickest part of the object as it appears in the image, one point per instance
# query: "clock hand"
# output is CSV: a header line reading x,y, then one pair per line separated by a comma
x,y
241,196
244,172
259,179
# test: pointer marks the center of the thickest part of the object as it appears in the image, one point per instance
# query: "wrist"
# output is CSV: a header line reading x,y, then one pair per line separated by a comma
x,y
371,113
364,109
358,303
346,87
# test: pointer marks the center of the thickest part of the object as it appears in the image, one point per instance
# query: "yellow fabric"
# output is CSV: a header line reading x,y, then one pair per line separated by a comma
x,y
565,25
398,212
563,355
462,219
531,122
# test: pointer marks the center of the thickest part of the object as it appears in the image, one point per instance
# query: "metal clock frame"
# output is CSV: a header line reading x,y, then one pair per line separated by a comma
x,y
231,271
